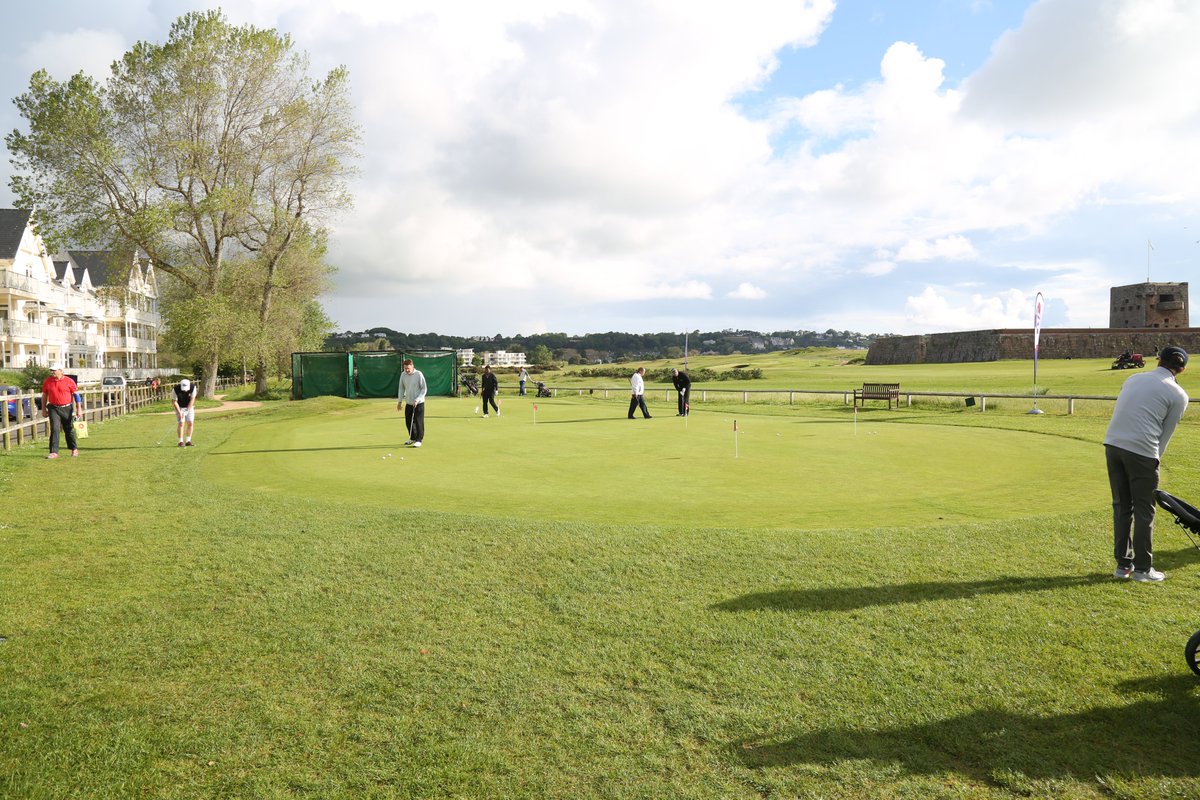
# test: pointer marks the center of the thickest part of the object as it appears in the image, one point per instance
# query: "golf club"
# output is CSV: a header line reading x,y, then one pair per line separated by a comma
x,y
174,429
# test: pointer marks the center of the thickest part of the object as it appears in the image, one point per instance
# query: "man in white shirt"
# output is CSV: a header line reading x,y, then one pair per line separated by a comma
x,y
637,397
1148,409
412,389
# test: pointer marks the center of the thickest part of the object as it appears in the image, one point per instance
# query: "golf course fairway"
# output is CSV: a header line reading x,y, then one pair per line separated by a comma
x,y
581,459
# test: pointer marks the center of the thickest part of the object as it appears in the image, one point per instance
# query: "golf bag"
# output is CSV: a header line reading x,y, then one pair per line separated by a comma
x,y
471,385
542,390
1188,518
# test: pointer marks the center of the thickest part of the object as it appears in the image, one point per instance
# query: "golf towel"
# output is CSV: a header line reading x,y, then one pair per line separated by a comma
x,y
81,429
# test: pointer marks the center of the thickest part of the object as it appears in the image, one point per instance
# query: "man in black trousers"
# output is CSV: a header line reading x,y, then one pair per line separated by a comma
x,y
683,385
488,389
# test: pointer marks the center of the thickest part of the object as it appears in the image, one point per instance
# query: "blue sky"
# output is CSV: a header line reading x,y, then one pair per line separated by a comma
x,y
592,165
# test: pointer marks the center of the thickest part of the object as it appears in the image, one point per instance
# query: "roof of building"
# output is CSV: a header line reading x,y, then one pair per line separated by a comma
x,y
96,262
13,222
60,269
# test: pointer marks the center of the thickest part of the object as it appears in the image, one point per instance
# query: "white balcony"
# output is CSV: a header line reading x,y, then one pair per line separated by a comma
x,y
20,329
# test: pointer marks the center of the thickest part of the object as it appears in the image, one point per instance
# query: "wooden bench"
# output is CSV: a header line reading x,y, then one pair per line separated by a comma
x,y
878,391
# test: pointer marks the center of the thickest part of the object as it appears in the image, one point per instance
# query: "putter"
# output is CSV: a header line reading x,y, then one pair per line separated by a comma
x,y
174,428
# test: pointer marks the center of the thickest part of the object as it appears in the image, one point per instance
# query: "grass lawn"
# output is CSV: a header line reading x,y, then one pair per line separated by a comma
x,y
918,605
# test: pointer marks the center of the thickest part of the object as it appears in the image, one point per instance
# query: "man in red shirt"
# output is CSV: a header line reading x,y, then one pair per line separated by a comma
x,y
58,403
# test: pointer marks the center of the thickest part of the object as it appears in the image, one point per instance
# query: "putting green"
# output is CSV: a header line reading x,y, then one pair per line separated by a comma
x,y
583,460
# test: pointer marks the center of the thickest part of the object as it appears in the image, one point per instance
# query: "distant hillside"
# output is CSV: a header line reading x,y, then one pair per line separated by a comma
x,y
593,348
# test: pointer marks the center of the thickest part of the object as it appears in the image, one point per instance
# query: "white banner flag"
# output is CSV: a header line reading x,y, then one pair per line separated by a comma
x,y
1038,304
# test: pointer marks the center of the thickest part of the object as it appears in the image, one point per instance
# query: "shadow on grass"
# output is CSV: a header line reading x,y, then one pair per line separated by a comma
x,y
1174,559
851,598
373,446
1152,737
617,418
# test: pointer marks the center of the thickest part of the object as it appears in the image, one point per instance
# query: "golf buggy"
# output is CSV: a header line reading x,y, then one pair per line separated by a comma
x,y
1129,360
470,383
1187,518
543,390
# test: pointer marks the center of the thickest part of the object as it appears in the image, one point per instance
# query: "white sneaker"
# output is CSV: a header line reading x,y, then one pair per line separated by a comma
x,y
485,416
418,444
408,443
1149,576
1122,572
497,412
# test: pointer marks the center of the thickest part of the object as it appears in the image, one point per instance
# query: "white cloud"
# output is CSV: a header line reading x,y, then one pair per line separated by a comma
x,y
63,54
949,248
879,268
747,291
596,151
941,309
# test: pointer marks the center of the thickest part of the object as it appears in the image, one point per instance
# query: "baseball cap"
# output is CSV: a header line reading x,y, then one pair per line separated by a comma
x,y
185,384
55,367
1175,357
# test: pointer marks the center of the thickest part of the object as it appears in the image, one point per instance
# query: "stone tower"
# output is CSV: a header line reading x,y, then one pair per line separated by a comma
x,y
1149,305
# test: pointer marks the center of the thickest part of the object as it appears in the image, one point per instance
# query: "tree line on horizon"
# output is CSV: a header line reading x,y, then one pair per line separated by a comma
x,y
590,348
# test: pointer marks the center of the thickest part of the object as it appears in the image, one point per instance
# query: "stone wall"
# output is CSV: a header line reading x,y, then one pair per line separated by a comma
x,y
992,345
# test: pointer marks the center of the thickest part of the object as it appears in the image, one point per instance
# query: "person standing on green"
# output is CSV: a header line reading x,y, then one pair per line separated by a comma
x,y
59,400
412,390
1148,409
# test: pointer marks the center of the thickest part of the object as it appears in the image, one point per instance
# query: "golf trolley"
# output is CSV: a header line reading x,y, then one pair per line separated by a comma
x,y
1187,518
543,390
469,382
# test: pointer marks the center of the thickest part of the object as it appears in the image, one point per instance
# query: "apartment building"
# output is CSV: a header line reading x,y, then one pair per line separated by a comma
x,y
503,358
66,308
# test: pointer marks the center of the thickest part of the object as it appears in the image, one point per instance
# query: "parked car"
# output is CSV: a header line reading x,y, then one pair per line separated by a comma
x,y
112,382
12,404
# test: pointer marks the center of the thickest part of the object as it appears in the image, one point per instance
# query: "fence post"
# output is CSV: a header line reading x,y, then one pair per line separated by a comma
x,y
1070,405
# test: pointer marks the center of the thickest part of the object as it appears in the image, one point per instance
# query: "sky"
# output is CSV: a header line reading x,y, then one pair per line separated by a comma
x,y
576,166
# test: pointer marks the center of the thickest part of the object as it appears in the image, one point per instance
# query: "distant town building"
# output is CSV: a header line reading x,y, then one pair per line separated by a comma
x,y
1149,305
503,358
466,355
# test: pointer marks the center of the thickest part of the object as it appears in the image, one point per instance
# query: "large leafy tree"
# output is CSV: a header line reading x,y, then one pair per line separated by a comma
x,y
214,153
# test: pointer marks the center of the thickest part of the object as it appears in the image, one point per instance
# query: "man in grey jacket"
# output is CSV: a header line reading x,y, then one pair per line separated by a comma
x,y
1148,409
412,389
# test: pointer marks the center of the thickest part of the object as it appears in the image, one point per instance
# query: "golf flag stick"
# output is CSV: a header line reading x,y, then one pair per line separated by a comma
x,y
856,420
535,413
735,441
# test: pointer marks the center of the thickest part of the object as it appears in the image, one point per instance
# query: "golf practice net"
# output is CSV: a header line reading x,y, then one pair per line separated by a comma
x,y
369,374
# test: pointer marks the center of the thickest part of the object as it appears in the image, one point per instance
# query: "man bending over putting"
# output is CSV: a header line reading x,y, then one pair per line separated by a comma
x,y
412,390
184,400
1148,408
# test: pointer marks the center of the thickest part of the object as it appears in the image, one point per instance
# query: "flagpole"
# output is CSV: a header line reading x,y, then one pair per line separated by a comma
x,y
1038,305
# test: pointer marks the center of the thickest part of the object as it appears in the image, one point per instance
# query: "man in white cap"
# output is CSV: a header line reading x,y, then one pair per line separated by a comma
x,y
59,401
185,410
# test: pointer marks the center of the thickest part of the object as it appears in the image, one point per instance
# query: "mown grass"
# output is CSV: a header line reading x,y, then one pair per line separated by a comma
x,y
842,370
184,623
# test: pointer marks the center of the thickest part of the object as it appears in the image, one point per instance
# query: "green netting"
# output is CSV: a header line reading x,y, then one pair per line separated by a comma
x,y
319,374
377,374
440,369
369,374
